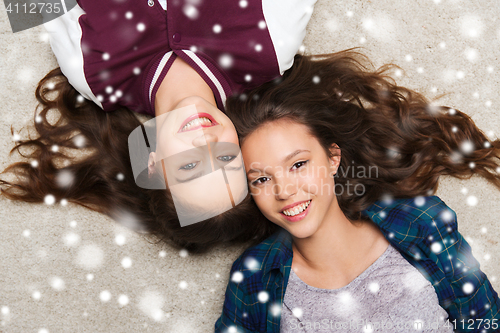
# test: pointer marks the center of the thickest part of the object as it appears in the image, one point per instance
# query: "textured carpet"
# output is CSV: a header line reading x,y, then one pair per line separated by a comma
x,y
68,269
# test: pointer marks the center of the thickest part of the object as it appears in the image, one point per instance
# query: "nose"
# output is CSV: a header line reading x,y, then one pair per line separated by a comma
x,y
284,188
204,139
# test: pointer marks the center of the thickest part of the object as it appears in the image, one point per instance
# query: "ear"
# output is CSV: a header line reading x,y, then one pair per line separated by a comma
x,y
335,157
151,164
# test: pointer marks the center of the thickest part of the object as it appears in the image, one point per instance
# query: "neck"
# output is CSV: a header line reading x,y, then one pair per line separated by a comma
x,y
181,81
337,244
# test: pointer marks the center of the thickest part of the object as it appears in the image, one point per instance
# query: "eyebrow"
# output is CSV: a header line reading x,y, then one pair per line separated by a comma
x,y
288,157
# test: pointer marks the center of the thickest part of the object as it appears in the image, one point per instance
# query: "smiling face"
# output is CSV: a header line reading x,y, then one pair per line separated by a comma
x,y
197,152
290,176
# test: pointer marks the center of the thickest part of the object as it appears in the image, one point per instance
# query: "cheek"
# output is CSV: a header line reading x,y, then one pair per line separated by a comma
x,y
262,202
229,135
318,185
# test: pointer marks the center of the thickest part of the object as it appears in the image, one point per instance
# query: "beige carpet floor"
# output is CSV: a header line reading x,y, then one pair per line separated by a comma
x,y
68,269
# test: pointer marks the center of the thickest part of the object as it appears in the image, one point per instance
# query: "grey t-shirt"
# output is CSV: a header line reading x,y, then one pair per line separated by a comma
x,y
390,296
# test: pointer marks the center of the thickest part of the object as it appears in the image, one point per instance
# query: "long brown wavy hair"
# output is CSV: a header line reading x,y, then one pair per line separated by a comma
x,y
410,141
102,180
378,125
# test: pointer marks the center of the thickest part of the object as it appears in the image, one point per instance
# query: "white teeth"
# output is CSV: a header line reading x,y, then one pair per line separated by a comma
x,y
196,122
297,209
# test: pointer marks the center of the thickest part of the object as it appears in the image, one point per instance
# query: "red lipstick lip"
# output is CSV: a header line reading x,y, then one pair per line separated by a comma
x,y
197,115
299,216
294,204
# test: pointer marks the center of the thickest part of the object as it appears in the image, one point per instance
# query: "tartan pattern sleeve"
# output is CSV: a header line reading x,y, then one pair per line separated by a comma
x,y
425,232
256,287
235,313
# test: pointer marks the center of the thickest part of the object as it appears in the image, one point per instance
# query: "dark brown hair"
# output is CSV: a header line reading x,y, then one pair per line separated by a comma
x,y
95,184
376,124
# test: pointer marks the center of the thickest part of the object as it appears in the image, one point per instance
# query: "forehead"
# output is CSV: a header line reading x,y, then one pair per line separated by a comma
x,y
276,139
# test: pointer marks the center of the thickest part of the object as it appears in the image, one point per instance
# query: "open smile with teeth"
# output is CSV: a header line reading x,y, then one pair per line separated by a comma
x,y
297,209
203,121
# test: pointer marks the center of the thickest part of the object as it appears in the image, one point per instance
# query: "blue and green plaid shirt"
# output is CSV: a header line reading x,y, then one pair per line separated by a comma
x,y
423,231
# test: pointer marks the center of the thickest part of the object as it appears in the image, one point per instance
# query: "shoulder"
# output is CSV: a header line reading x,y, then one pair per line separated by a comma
x,y
419,212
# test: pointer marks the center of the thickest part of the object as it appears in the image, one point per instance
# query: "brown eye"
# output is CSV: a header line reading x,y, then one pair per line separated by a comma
x,y
259,181
298,165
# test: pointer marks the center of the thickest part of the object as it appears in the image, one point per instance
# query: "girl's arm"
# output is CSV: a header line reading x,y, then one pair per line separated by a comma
x,y
238,310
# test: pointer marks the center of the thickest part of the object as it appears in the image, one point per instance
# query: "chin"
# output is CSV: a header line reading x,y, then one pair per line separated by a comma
x,y
302,232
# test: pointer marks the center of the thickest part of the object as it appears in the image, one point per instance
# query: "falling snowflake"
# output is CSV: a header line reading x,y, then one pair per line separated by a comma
x,y
252,264
446,215
71,239
126,262
374,287
226,61
65,178
471,54
123,300
36,295
217,28
141,27
468,288
150,303
419,201
263,296
297,312
183,285
183,253
275,309
57,283
436,247
380,27
90,257
237,277
191,12
472,200
105,296
471,26
120,239
49,199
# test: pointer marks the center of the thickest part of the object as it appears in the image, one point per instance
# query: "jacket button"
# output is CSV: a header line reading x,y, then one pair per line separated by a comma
x,y
176,37
151,3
